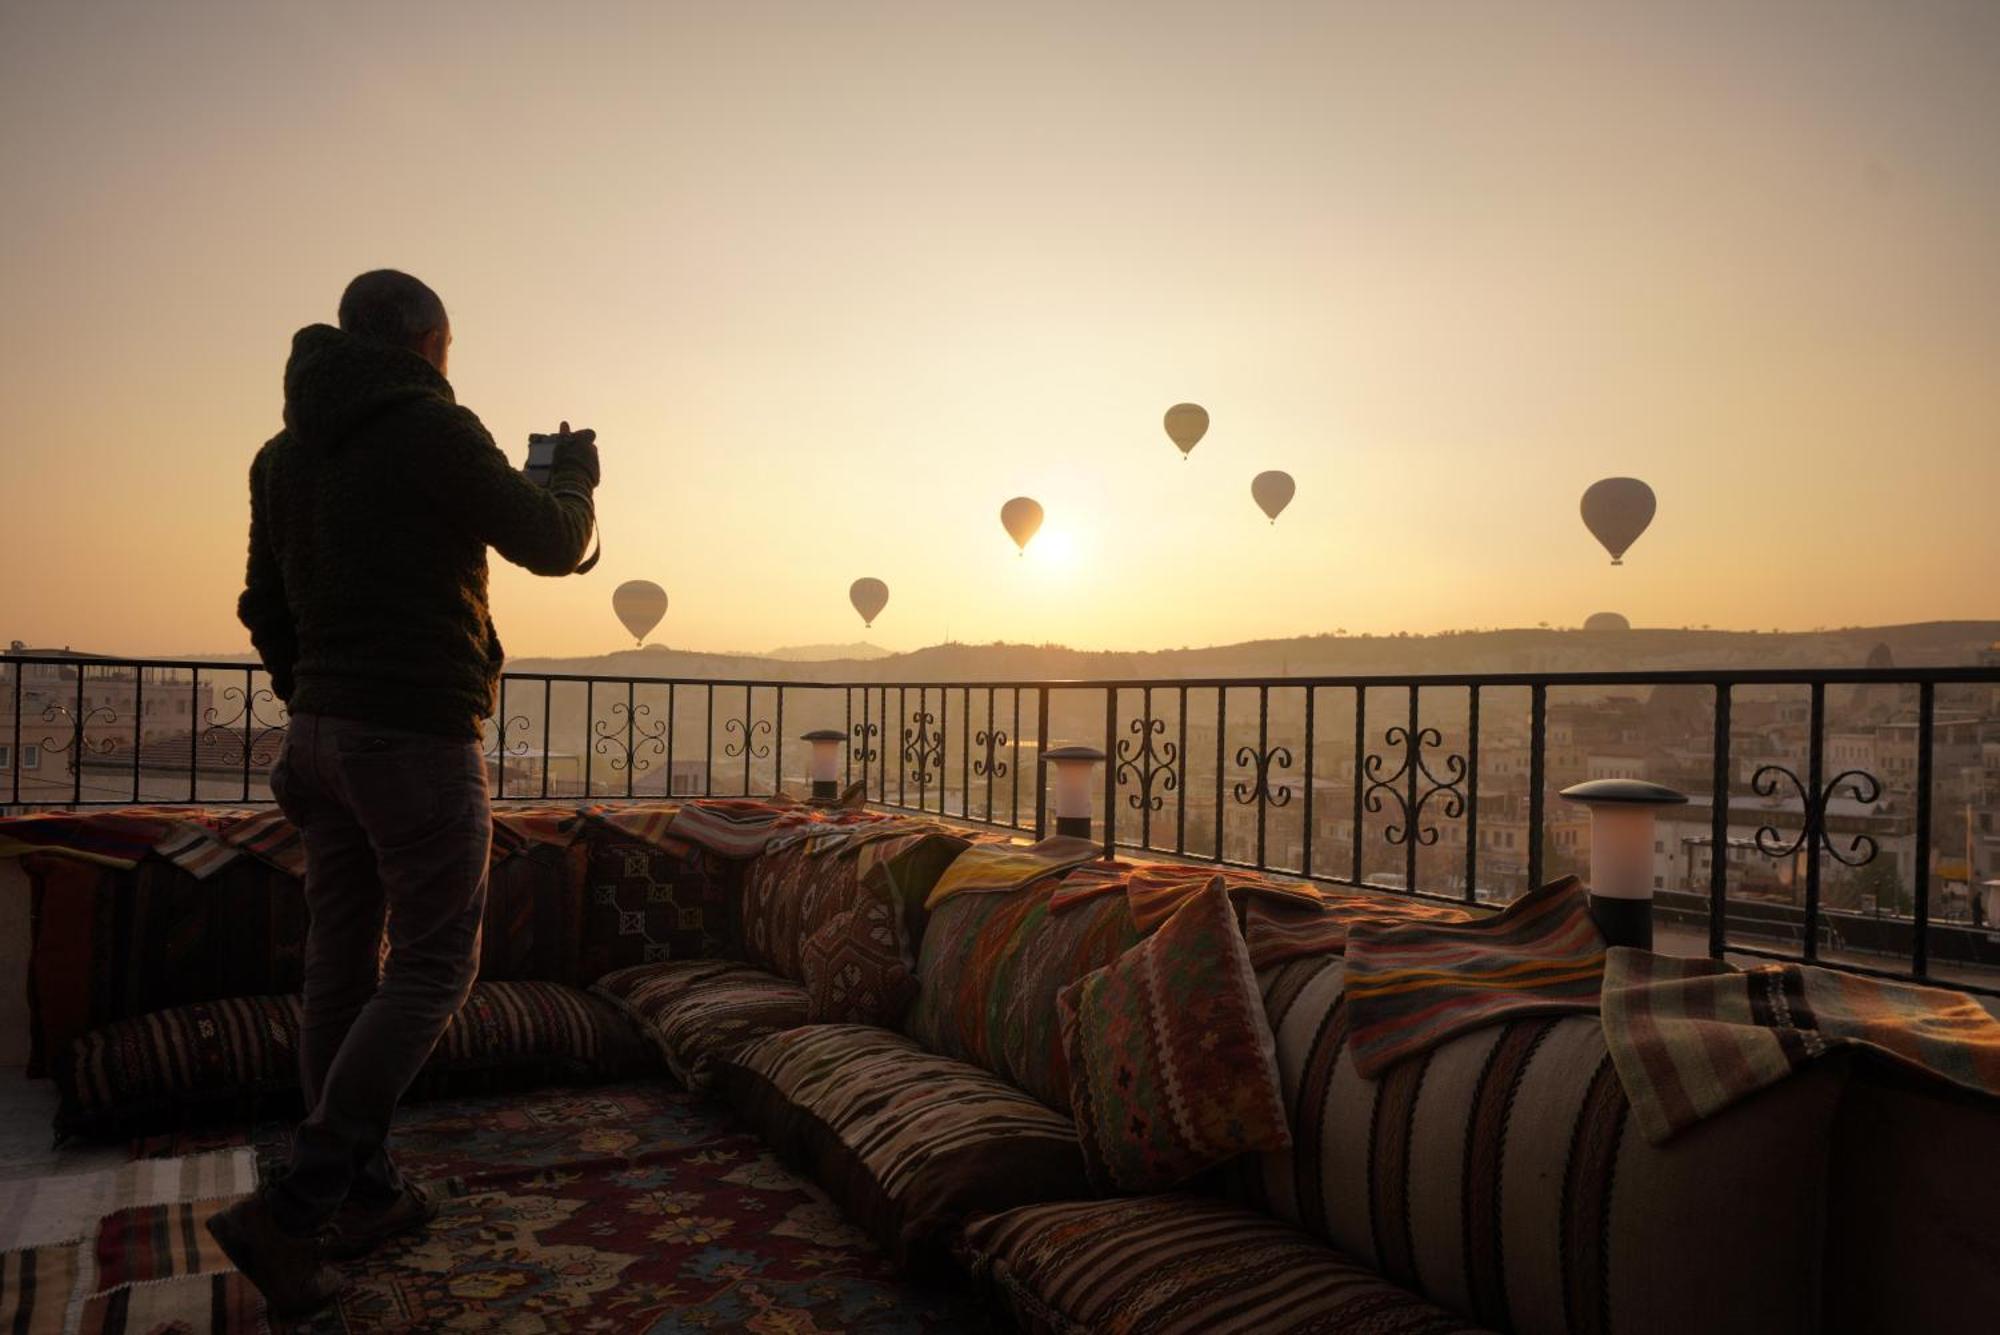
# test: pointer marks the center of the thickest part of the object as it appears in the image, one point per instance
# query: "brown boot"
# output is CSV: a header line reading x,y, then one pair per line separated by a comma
x,y
286,1269
358,1230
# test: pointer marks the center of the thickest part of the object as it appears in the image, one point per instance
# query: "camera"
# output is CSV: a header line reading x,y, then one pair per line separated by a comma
x,y
541,458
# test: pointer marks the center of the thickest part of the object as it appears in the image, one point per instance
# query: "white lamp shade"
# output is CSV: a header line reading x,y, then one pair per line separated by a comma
x,y
825,760
1621,851
1073,788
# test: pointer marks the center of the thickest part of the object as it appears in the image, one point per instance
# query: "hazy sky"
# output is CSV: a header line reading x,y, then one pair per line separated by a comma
x,y
833,282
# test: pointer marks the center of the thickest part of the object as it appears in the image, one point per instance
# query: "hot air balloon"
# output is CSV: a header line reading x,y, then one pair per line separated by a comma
x,y
1617,510
869,597
1187,423
640,604
1023,519
1273,492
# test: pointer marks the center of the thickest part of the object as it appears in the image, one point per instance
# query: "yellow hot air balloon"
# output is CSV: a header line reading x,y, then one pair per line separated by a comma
x,y
1023,519
869,597
1187,423
1273,492
640,604
1617,510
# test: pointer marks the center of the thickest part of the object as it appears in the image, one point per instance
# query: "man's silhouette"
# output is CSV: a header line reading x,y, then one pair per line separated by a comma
x,y
370,516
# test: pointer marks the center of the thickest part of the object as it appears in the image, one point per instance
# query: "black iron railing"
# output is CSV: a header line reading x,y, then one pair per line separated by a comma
x,y
1829,805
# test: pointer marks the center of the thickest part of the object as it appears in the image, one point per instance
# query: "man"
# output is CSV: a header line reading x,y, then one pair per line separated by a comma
x,y
370,516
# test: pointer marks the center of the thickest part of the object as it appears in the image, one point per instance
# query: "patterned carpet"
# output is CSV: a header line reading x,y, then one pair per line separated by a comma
x,y
635,1207
625,1208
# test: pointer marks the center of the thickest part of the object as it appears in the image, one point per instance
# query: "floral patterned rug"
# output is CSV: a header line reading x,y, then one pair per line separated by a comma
x,y
624,1208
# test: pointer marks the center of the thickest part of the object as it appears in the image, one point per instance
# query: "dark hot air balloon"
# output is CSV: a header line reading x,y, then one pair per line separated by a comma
x,y
640,604
1023,519
1187,423
869,597
1273,492
1617,510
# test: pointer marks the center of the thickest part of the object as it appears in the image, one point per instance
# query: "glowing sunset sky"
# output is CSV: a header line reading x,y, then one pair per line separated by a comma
x,y
834,282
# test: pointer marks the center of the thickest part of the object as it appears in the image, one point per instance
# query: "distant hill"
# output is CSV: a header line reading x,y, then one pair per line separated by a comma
x,y
826,653
1926,644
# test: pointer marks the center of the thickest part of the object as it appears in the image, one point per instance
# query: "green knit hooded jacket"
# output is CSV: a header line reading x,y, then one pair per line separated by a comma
x,y
370,516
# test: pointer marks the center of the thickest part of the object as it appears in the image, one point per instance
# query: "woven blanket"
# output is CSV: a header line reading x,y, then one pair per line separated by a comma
x,y
1412,986
732,827
65,1207
1278,932
119,837
1692,1036
1001,867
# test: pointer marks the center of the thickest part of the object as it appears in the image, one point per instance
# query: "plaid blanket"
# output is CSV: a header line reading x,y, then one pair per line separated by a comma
x,y
1000,867
1692,1036
1413,985
1278,932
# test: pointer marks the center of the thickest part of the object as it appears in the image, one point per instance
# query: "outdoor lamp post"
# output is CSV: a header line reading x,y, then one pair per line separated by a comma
x,y
825,763
1621,854
1074,766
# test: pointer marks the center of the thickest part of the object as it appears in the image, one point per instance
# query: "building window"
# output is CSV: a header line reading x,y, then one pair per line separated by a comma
x,y
1659,845
1659,882
6,756
31,756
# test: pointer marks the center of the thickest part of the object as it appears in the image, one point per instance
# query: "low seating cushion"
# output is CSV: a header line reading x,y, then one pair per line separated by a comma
x,y
789,895
697,1011
1501,1175
151,1071
908,1143
858,967
1172,1065
988,971
1182,1265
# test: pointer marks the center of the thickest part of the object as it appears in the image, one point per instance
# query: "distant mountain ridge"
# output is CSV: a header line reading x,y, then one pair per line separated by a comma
x,y
1924,644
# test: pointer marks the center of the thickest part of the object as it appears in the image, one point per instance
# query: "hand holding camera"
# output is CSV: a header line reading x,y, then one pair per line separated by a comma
x,y
575,446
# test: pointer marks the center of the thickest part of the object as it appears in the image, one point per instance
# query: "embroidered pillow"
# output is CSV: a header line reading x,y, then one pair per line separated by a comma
x,y
1173,1068
858,968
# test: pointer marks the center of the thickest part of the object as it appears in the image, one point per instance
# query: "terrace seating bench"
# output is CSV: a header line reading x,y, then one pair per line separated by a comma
x,y
922,1056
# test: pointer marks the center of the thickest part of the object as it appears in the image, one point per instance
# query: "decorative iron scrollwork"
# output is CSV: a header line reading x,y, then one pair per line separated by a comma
x,y
1415,768
923,749
863,749
518,723
74,734
1261,763
248,729
1146,762
991,742
1864,787
630,738
748,740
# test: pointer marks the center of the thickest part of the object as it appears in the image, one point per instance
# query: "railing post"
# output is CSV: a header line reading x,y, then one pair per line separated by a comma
x,y
1041,768
1718,829
1538,739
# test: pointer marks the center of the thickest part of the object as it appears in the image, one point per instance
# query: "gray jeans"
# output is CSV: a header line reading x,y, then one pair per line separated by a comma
x,y
397,833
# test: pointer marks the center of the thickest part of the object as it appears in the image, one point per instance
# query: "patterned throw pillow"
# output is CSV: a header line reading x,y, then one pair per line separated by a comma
x,y
1173,1068
858,968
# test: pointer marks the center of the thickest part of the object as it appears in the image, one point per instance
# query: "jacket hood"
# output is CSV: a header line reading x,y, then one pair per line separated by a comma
x,y
335,382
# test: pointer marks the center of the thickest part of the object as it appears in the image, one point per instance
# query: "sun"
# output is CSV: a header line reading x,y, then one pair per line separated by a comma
x,y
1054,548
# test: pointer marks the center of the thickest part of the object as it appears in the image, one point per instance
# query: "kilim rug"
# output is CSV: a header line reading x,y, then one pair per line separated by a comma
x,y
622,1208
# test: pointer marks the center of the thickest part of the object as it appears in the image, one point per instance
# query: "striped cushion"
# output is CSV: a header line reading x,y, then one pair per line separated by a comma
x,y
152,1069
787,896
1182,1265
700,1010
1501,1175
909,1143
